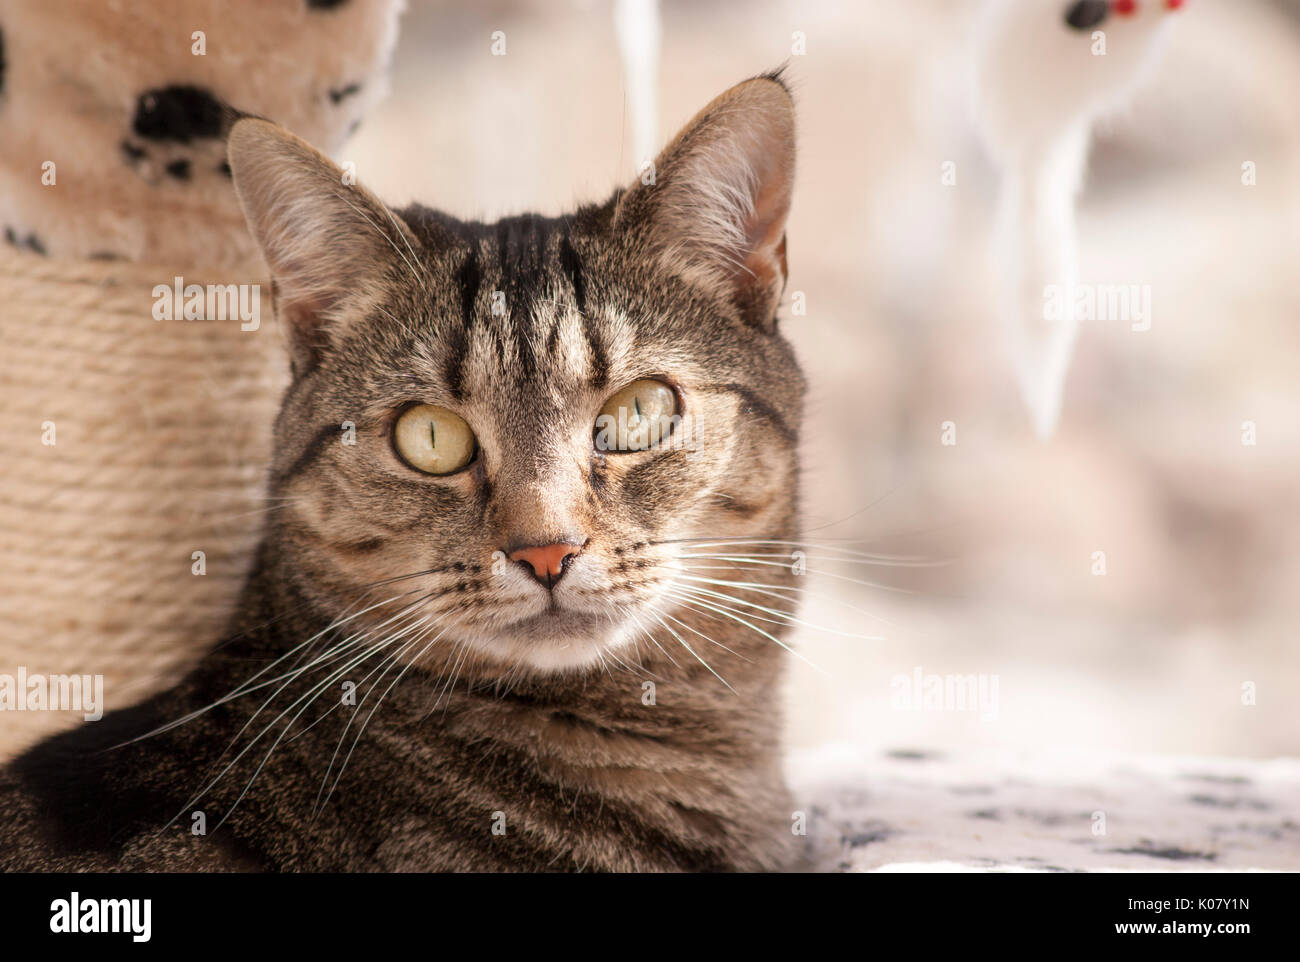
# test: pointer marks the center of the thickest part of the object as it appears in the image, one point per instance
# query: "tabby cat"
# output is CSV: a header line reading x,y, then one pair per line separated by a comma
x,y
492,624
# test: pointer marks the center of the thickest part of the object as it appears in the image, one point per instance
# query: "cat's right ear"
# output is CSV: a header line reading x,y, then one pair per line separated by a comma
x,y
330,244
713,205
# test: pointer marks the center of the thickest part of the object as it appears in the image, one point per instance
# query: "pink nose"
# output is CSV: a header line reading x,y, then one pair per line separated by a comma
x,y
548,561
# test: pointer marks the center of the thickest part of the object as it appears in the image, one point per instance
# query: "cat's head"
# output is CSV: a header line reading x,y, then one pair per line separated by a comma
x,y
505,435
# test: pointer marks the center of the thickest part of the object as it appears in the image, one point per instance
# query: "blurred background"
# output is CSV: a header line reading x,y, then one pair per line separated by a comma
x,y
1201,590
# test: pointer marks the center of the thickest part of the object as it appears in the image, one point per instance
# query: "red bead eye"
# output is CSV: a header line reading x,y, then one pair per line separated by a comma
x,y
1125,6
1174,4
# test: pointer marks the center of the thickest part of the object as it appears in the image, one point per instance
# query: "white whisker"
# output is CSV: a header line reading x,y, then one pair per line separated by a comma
x,y
696,602
360,731
681,642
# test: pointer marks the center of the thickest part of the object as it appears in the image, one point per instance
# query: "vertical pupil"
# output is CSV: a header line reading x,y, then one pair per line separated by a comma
x,y
1086,13
433,435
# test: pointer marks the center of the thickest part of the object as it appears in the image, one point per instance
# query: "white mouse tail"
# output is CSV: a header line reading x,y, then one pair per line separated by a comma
x,y
1037,271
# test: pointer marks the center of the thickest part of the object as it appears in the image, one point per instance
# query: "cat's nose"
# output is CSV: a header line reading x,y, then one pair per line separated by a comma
x,y
548,562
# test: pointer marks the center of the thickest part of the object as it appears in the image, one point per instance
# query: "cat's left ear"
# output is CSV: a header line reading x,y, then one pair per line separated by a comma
x,y
333,248
714,204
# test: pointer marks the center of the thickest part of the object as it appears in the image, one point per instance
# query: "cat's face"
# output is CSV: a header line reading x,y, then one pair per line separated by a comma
x,y
506,435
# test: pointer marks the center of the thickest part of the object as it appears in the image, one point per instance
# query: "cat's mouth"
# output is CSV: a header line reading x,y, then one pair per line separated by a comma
x,y
556,638
557,624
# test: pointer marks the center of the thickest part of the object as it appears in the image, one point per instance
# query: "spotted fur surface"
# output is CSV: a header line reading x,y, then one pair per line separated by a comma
x,y
994,810
131,108
625,718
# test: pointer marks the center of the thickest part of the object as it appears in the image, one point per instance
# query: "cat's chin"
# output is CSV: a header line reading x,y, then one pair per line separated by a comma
x,y
555,641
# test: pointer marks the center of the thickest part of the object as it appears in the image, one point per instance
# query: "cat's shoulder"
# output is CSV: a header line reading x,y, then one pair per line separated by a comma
x,y
91,799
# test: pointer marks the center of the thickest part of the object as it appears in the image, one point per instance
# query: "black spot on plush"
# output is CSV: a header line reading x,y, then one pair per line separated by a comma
x,y
325,4
224,169
2,61
179,113
180,169
31,242
133,153
342,93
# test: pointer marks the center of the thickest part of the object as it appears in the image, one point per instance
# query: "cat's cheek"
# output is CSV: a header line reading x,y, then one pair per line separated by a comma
x,y
645,489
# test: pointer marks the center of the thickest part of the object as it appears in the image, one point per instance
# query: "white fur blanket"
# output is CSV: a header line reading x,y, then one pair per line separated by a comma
x,y
883,811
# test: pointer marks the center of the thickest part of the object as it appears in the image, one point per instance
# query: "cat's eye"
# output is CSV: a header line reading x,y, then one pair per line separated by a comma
x,y
433,440
1086,13
636,418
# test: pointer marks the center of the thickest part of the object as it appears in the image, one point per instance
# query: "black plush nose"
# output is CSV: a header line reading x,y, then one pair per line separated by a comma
x,y
1086,13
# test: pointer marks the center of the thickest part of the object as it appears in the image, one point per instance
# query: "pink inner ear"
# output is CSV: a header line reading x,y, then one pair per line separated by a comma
x,y
303,316
765,230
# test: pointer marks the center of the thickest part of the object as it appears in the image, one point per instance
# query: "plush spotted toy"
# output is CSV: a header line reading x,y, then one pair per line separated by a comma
x,y
113,114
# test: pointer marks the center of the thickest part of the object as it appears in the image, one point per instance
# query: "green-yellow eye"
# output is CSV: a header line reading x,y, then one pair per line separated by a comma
x,y
636,418
433,440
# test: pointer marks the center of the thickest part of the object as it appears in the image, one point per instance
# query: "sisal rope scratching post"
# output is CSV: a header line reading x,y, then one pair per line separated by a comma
x,y
161,434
